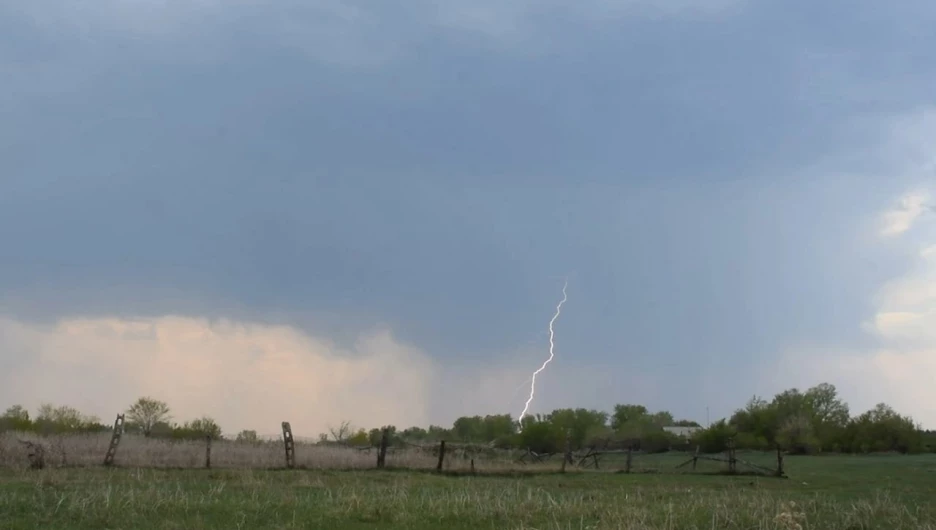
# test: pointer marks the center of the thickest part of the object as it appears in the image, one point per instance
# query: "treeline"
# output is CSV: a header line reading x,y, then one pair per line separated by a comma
x,y
808,422
147,416
798,422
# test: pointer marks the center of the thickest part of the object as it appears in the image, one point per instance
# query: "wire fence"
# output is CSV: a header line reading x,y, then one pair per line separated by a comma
x,y
29,450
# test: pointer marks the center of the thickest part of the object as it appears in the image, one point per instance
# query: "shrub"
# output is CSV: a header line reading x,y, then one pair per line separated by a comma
x,y
658,441
746,440
715,438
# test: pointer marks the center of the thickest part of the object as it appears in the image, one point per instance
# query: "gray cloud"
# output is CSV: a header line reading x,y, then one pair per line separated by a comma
x,y
711,174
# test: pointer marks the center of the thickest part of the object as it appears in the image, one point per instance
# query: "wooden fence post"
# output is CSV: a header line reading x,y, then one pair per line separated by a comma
x,y
382,450
695,458
779,462
567,453
442,456
115,441
289,445
732,462
630,456
208,452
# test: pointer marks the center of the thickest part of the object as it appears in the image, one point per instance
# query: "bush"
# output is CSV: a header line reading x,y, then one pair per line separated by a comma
x,y
715,438
540,437
746,440
658,442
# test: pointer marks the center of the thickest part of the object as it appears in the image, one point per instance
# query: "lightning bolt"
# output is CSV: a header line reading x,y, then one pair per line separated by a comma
x,y
552,346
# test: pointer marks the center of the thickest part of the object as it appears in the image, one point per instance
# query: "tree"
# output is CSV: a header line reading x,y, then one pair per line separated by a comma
x,y
757,419
16,412
498,427
204,427
468,429
624,414
883,429
715,438
662,418
16,418
798,436
359,439
437,433
247,436
829,415
147,412
341,432
63,419
583,425
415,434
686,423
375,435
540,436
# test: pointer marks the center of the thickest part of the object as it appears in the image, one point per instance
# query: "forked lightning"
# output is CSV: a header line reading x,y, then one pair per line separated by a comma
x,y
552,346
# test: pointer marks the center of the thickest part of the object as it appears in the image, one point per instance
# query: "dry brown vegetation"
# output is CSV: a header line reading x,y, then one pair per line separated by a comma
x,y
84,450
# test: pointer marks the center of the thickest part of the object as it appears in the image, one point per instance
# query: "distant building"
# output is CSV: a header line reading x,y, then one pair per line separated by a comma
x,y
682,432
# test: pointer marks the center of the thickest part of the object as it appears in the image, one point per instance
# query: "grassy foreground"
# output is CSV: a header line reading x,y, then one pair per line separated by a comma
x,y
887,492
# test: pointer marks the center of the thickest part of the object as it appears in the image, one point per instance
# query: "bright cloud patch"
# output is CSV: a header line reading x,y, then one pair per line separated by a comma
x,y
901,372
254,376
244,375
902,217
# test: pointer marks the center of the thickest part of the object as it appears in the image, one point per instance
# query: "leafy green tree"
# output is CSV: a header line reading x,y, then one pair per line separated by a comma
x,y
16,412
541,436
658,441
375,435
359,439
203,427
436,433
469,429
247,436
662,418
758,419
798,436
52,419
414,434
498,427
883,429
16,418
624,414
146,412
828,415
715,438
582,425
686,423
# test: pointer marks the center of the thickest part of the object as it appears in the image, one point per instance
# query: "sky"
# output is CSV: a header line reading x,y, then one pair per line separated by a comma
x,y
327,211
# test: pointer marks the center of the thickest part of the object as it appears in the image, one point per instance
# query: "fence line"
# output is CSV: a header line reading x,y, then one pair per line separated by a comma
x,y
443,456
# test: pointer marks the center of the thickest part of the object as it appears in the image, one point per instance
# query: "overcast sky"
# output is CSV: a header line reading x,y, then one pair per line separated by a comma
x,y
328,210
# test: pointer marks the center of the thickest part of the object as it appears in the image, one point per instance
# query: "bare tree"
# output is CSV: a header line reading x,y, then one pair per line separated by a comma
x,y
147,412
342,432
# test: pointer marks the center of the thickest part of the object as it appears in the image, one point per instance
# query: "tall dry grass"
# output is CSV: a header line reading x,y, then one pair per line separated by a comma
x,y
83,450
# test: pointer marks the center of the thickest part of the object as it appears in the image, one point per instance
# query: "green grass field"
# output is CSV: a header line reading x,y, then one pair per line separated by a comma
x,y
832,492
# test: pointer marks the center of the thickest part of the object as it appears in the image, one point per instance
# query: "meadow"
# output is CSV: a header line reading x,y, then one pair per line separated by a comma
x,y
828,492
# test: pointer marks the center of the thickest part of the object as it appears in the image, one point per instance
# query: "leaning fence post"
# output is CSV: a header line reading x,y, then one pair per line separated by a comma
x,y
779,462
442,456
731,456
382,450
567,453
115,441
289,445
695,458
208,451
